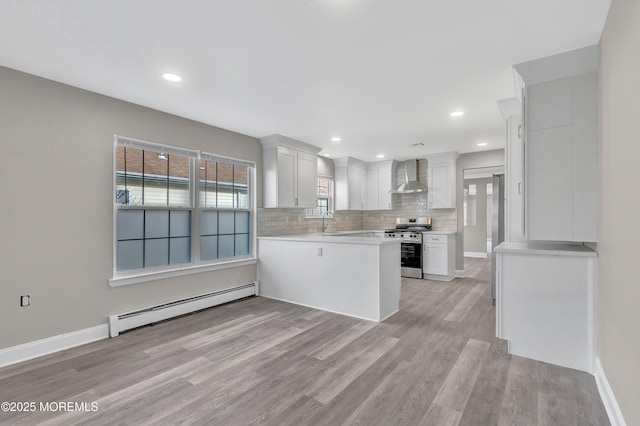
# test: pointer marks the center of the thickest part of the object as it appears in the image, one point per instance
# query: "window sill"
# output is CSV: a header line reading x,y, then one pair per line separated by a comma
x,y
188,270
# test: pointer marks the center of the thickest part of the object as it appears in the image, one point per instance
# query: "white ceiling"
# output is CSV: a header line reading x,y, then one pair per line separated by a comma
x,y
380,74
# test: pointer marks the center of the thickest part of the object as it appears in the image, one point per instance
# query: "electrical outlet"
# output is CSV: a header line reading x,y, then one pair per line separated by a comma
x,y
25,300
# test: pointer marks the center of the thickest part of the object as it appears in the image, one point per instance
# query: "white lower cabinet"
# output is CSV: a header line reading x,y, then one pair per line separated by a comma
x,y
438,256
545,302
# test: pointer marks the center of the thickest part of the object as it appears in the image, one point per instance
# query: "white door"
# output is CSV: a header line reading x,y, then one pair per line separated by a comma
x,y
355,197
286,177
440,186
435,259
307,186
384,186
372,202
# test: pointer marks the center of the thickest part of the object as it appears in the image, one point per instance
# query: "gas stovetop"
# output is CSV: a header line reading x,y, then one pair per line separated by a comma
x,y
409,229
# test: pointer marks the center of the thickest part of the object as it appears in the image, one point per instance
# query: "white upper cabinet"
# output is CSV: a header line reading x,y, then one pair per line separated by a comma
x,y
307,184
386,182
290,168
514,169
373,195
441,180
560,146
351,184
364,186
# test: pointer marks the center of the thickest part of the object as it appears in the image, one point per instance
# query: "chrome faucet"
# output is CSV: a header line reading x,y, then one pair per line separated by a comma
x,y
325,214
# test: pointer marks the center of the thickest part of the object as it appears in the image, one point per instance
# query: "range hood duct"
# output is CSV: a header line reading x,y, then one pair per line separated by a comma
x,y
412,184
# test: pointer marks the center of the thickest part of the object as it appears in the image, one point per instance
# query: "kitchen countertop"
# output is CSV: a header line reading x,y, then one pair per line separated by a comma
x,y
335,238
546,248
439,232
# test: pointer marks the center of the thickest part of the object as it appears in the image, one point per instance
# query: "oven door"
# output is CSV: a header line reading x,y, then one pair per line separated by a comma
x,y
411,260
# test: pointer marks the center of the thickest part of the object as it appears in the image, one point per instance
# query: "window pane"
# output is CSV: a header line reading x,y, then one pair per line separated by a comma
x,y
241,186
128,176
130,255
242,244
209,223
226,225
208,183
156,178
179,250
130,225
156,252
225,197
242,222
208,247
225,185
323,187
180,224
178,181
225,247
156,224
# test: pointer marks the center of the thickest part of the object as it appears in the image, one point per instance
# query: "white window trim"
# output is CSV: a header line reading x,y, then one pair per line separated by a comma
x,y
189,269
331,197
134,276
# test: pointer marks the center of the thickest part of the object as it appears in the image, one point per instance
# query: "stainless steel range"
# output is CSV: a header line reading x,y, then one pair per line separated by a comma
x,y
409,232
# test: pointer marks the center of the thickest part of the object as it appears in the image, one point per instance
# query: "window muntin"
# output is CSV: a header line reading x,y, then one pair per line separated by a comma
x,y
152,177
223,185
149,177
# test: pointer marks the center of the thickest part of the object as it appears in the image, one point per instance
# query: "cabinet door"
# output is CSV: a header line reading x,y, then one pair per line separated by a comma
x,y
435,259
287,180
440,186
372,201
307,186
385,200
515,181
549,202
355,188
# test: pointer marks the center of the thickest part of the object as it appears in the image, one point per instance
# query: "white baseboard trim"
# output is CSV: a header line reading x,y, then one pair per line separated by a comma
x,y
323,309
607,396
27,351
390,315
459,273
481,255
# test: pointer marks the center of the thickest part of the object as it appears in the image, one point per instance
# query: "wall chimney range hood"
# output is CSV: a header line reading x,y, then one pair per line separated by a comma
x,y
412,184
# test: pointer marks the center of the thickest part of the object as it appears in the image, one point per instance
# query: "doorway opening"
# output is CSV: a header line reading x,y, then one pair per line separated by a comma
x,y
478,211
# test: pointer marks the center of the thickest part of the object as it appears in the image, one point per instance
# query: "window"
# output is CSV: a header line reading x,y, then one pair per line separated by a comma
x,y
177,208
324,197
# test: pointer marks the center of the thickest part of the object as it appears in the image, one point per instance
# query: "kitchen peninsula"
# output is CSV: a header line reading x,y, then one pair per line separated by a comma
x,y
350,274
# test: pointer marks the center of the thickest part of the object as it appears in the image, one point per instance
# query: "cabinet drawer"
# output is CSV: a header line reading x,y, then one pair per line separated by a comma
x,y
435,238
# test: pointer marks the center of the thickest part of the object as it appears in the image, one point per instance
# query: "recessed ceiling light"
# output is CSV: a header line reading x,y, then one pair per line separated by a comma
x,y
326,154
457,113
483,144
380,155
335,139
174,78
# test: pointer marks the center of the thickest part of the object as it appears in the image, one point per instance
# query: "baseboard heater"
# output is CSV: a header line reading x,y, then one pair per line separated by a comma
x,y
145,316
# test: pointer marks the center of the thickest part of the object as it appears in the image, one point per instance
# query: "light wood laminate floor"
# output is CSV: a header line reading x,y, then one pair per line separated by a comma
x,y
261,361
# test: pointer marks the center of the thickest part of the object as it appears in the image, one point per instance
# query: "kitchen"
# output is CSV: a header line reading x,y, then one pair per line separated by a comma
x,y
60,119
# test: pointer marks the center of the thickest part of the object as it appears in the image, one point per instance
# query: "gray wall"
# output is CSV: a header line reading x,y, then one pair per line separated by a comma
x,y
619,233
475,237
57,205
474,160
